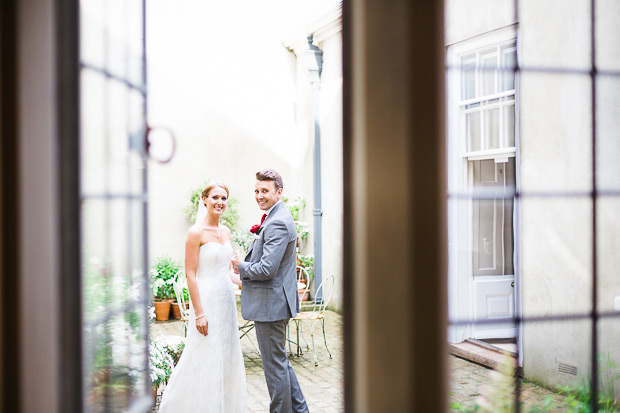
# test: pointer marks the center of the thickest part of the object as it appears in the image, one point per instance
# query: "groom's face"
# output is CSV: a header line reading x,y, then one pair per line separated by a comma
x,y
266,194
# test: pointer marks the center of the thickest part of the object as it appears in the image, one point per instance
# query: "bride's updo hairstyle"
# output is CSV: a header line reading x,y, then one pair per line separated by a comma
x,y
205,192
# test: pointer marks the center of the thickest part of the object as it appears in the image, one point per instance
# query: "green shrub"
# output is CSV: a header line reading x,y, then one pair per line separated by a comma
x,y
164,273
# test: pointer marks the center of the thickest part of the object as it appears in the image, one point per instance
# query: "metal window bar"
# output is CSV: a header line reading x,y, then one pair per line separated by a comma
x,y
516,194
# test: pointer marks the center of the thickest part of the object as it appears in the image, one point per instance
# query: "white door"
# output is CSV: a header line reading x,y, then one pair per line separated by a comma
x,y
493,275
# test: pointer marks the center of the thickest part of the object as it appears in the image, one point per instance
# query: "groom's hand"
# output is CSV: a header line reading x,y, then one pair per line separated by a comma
x,y
235,262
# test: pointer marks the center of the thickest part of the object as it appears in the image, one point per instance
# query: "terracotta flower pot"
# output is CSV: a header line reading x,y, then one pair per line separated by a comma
x,y
176,311
162,310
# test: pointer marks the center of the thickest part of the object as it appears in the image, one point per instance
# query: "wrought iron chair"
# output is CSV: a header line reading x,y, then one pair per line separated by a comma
x,y
310,319
179,285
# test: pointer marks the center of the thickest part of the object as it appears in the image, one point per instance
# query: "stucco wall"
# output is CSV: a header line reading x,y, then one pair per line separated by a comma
x,y
238,101
556,156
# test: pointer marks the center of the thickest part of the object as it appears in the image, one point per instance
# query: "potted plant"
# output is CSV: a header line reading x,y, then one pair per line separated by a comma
x,y
163,276
306,262
164,353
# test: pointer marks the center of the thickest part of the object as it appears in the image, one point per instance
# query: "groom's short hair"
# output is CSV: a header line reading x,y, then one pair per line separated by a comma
x,y
270,175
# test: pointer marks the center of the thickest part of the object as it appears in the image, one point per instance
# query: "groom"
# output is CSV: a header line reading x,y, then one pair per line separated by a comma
x,y
269,291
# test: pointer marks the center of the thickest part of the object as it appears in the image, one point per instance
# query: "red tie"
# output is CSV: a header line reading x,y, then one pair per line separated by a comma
x,y
263,219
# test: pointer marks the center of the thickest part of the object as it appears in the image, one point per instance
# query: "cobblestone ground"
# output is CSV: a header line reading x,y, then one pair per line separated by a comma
x,y
323,385
468,380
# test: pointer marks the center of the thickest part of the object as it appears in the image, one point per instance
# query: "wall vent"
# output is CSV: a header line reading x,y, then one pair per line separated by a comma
x,y
567,368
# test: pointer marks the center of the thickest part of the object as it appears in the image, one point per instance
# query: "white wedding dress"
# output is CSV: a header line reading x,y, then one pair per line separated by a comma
x,y
210,375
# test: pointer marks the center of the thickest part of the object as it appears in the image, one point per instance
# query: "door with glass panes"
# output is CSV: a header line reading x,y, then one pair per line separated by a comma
x,y
483,142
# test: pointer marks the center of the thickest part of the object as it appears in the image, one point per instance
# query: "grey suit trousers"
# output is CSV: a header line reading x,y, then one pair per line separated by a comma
x,y
284,390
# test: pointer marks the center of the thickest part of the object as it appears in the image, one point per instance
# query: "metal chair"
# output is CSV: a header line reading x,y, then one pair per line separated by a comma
x,y
179,284
310,319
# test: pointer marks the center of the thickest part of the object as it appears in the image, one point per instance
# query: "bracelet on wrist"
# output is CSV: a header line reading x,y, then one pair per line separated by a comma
x,y
200,316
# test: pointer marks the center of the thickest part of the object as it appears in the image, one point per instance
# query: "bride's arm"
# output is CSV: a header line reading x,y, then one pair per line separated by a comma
x,y
231,273
192,247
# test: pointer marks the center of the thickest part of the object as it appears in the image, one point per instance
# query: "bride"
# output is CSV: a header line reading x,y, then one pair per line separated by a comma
x,y
210,375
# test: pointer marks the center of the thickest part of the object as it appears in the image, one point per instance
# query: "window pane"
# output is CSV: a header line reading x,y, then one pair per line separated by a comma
x,y
473,131
488,63
493,218
556,255
469,77
509,61
608,133
555,135
491,118
509,124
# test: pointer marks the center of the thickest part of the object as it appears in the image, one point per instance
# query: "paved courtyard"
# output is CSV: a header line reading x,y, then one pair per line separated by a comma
x,y
323,385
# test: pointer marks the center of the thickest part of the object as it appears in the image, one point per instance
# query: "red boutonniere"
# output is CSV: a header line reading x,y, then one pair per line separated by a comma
x,y
256,228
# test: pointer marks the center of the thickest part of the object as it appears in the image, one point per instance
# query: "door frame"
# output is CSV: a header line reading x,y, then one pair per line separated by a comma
x,y
460,179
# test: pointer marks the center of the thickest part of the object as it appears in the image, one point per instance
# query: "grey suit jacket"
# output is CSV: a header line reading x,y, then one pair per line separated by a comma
x,y
269,282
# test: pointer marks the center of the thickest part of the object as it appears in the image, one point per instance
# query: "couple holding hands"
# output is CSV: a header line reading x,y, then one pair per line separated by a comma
x,y
210,375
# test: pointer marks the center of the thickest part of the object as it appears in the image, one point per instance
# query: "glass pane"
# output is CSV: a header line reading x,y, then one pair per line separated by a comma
x,y
488,71
492,246
608,133
607,35
491,125
556,255
541,36
509,61
555,135
568,363
92,33
473,131
469,77
509,124
133,41
92,140
608,258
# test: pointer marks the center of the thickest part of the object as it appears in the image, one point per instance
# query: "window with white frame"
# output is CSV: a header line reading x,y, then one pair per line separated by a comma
x,y
488,97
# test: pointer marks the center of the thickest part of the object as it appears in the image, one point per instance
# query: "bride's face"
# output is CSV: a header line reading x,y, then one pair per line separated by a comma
x,y
216,201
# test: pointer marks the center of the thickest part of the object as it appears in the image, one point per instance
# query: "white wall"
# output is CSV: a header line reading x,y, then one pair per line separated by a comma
x,y
238,101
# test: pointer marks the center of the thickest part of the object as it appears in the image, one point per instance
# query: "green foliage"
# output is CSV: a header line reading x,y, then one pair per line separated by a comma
x,y
163,275
243,238
295,206
230,217
579,398
302,229
499,397
164,354
194,198
307,262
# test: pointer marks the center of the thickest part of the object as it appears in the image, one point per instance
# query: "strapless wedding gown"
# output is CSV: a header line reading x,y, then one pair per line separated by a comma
x,y
210,375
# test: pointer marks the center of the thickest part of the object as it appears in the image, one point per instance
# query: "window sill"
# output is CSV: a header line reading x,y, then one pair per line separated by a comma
x,y
499,155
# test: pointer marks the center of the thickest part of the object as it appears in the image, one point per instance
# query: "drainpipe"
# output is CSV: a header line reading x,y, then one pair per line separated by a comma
x,y
313,60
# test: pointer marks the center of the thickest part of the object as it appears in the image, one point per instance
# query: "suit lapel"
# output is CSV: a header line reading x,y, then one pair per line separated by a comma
x,y
271,214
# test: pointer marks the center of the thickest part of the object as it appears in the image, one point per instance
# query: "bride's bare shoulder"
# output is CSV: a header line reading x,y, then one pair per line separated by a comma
x,y
194,233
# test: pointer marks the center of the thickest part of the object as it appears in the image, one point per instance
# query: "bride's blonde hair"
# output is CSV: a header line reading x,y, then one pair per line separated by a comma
x,y
205,192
